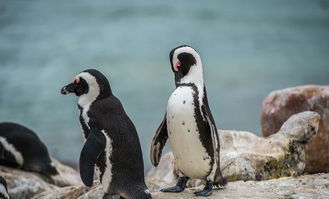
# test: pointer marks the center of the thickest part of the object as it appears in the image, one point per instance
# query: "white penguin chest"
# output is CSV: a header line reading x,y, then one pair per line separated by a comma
x,y
84,114
107,176
191,157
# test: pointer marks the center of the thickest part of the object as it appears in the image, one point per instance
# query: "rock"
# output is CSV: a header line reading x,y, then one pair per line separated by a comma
x,y
279,105
76,192
164,172
22,184
309,186
25,185
245,156
83,192
66,177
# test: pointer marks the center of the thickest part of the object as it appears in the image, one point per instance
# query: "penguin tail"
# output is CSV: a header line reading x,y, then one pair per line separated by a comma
x,y
42,167
146,194
221,184
142,192
142,195
220,181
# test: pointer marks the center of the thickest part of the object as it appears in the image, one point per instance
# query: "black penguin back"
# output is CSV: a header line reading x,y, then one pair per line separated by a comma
x,y
126,158
34,151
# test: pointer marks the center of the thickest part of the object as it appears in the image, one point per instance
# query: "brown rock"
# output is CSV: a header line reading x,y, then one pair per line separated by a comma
x,y
279,105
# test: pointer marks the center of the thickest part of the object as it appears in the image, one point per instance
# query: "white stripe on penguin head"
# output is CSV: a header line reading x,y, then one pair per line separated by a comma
x,y
93,89
195,75
9,147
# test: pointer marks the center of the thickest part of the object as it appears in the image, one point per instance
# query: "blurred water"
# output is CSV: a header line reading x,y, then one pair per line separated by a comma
x,y
249,48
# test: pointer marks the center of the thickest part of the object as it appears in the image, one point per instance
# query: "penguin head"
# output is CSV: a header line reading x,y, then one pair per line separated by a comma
x,y
186,65
88,85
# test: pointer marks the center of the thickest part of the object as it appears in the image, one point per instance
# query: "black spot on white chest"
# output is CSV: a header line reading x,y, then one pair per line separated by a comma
x,y
181,111
190,155
181,103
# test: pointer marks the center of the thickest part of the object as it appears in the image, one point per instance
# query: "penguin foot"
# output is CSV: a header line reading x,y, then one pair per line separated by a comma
x,y
181,184
204,193
207,191
107,196
117,197
175,189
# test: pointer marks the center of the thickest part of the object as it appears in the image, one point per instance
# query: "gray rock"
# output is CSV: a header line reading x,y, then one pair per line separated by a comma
x,y
245,156
25,185
303,187
66,177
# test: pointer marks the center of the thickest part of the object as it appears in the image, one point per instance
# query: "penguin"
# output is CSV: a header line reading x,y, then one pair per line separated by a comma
x,y
3,189
190,126
21,148
112,145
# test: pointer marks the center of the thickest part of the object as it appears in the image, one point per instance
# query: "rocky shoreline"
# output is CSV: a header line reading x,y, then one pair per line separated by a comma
x,y
245,156
256,167
316,186
279,105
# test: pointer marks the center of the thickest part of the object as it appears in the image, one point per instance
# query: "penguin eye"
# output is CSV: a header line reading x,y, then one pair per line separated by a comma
x,y
177,65
76,80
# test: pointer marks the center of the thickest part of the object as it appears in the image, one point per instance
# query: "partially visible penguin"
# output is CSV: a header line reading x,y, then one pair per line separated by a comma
x,y
112,145
189,125
21,148
3,189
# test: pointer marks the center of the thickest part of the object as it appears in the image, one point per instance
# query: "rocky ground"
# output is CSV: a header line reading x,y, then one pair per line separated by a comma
x,y
24,185
256,168
245,156
304,187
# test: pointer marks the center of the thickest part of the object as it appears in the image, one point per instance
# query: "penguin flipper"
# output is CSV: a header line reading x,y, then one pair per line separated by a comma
x,y
219,180
159,142
94,146
212,127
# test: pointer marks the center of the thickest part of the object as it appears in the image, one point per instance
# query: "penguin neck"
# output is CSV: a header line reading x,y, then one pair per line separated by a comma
x,y
93,95
194,76
88,98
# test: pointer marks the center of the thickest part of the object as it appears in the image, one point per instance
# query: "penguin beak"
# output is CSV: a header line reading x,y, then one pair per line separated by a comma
x,y
178,76
70,88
